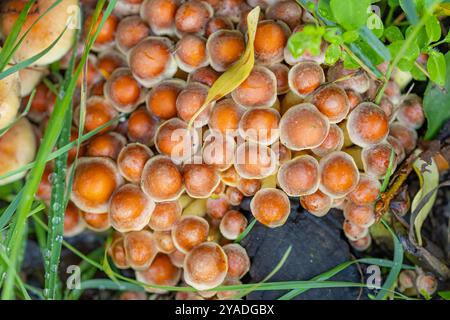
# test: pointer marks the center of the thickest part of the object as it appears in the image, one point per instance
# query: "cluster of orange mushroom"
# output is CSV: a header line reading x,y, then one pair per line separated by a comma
x,y
295,129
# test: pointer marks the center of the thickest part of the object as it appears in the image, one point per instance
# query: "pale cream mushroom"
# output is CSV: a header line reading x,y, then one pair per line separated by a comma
x,y
17,148
44,32
9,99
30,78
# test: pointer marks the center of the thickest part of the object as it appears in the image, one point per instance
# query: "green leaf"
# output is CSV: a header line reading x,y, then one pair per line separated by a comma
x,y
444,295
369,49
349,62
433,28
436,66
436,104
405,65
410,9
393,3
393,33
324,10
332,35
447,38
350,36
333,54
412,53
309,39
9,212
429,181
421,39
350,14
417,74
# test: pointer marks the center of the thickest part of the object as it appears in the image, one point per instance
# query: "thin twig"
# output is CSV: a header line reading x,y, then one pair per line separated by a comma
x,y
382,205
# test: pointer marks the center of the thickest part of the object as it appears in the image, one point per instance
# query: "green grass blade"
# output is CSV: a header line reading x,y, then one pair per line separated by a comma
x,y
246,231
56,215
369,37
20,284
286,285
26,63
104,284
48,142
396,268
58,202
9,212
331,273
8,45
269,276
387,176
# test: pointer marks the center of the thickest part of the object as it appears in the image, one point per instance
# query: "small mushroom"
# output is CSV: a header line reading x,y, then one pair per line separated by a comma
x,y
45,31
9,99
160,272
140,248
233,224
130,209
189,232
95,180
17,148
206,266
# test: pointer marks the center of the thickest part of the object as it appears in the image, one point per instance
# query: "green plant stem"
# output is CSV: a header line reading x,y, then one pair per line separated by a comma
x,y
409,40
390,15
4,261
359,61
422,69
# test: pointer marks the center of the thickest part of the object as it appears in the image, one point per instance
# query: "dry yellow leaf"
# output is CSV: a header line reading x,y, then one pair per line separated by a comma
x,y
443,9
238,72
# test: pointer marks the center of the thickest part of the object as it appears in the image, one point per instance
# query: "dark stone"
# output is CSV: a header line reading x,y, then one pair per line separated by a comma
x,y
245,203
32,258
317,246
